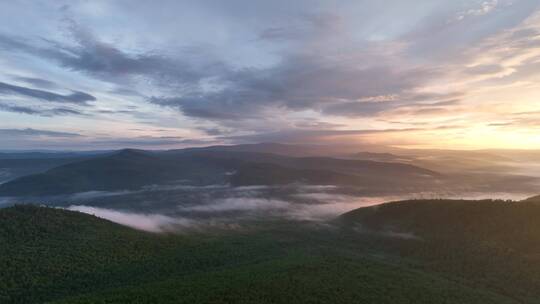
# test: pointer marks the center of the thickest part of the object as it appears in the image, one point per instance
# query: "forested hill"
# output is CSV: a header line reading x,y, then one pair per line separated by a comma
x,y
492,241
57,256
506,223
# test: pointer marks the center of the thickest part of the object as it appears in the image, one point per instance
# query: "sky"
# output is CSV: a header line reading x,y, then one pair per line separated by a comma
x,y
94,75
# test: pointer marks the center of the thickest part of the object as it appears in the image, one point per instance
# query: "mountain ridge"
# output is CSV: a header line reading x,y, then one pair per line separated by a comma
x,y
131,169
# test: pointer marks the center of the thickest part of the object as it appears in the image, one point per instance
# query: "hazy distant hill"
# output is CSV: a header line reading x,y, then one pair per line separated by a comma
x,y
533,199
58,256
385,157
50,154
17,164
458,161
127,169
295,150
133,169
365,168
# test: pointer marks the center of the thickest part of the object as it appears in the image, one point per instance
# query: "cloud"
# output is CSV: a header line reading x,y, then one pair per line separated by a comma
x,y
146,222
140,141
29,132
265,69
105,61
240,204
311,135
483,69
485,8
147,141
376,105
445,38
37,82
524,120
47,112
184,208
509,55
220,207
301,81
75,97
294,202
304,204
309,76
30,138
306,25
279,33
187,208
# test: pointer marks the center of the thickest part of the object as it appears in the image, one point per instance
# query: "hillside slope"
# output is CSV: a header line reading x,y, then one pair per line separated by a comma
x,y
58,256
495,242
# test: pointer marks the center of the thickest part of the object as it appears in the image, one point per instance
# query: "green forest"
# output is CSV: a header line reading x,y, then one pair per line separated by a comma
x,y
406,252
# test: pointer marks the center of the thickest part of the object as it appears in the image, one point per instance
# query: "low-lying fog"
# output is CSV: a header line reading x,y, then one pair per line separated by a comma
x,y
183,208
186,207
509,175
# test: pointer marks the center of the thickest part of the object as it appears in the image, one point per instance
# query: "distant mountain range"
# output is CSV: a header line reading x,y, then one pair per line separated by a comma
x,y
132,169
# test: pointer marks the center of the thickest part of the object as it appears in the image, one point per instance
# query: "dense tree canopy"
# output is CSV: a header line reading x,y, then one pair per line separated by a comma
x,y
410,252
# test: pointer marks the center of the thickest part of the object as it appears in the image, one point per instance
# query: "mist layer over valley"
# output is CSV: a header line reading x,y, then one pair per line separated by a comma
x,y
232,186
